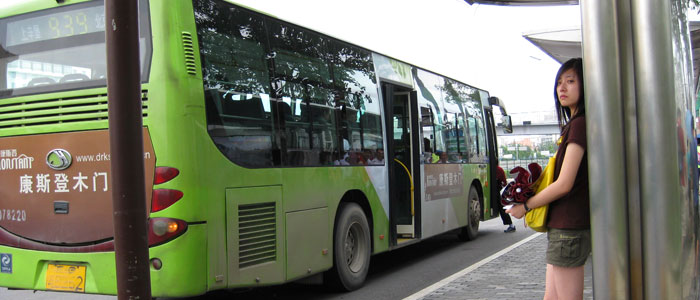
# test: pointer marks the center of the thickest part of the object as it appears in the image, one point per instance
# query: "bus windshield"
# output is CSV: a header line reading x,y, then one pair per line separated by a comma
x,y
59,49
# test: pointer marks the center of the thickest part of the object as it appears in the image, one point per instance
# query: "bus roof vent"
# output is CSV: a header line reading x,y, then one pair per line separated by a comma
x,y
187,45
257,234
42,115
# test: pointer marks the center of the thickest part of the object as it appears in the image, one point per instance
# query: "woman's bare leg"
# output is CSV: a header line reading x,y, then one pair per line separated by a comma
x,y
568,282
550,290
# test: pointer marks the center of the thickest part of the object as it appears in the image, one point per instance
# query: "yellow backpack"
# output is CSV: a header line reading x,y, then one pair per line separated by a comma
x,y
537,217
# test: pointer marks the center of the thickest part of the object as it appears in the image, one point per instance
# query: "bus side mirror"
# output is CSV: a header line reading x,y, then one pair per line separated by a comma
x,y
507,124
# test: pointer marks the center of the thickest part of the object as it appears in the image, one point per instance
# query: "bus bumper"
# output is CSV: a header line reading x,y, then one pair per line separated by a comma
x,y
183,272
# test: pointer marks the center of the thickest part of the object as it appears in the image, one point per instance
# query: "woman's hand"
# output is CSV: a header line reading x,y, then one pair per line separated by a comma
x,y
517,211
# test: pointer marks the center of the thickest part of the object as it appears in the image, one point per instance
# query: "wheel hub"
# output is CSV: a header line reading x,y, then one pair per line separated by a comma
x,y
475,211
354,246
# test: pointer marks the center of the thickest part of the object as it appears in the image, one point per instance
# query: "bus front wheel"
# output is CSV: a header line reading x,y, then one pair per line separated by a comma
x,y
351,249
470,231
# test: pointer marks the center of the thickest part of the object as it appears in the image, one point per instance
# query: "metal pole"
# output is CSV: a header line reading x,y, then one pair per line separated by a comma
x,y
126,146
604,84
658,148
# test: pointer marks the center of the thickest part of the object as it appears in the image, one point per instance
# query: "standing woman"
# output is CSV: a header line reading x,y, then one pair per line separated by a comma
x,y
569,233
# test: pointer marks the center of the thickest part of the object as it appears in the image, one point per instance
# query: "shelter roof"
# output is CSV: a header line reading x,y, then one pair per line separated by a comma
x,y
563,44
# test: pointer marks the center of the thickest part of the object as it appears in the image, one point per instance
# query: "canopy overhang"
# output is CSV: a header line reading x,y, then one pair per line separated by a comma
x,y
560,44
564,44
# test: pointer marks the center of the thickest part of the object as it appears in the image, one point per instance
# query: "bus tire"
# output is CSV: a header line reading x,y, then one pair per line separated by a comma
x,y
351,249
470,231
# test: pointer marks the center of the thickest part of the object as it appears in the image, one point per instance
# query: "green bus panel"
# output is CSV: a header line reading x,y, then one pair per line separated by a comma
x,y
180,271
255,236
309,243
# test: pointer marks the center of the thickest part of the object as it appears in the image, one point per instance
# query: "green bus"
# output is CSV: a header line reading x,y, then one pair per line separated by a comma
x,y
272,152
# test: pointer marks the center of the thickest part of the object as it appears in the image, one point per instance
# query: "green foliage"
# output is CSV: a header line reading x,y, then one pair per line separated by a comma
x,y
524,152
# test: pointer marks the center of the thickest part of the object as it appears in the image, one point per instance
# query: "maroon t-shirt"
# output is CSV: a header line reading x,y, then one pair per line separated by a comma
x,y
572,211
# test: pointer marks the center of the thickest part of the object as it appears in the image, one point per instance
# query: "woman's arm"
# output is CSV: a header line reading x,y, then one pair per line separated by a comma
x,y
558,188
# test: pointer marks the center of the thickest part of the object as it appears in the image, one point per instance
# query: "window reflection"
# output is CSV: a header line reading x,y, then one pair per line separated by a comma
x,y
318,102
451,120
237,84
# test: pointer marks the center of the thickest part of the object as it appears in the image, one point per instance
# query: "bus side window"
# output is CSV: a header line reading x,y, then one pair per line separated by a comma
x,y
241,128
473,149
236,78
297,133
213,107
481,131
451,139
462,138
428,131
249,108
324,133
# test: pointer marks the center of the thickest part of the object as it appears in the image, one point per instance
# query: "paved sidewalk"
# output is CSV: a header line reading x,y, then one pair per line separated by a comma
x,y
509,276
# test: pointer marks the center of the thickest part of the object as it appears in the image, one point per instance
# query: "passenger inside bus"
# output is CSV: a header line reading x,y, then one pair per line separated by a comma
x,y
442,156
428,156
377,158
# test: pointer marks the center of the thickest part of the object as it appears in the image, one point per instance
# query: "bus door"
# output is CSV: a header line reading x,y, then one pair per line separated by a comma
x,y
495,188
403,157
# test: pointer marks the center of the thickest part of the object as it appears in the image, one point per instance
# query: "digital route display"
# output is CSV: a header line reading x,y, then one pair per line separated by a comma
x,y
57,25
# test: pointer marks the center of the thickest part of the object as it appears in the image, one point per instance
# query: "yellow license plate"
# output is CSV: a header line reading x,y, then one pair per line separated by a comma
x,y
60,277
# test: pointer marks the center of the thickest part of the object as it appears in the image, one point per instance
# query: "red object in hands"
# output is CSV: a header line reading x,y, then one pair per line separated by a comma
x,y
523,175
521,188
535,171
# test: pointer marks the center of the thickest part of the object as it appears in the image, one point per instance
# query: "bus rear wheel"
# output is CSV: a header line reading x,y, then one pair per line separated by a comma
x,y
351,249
470,231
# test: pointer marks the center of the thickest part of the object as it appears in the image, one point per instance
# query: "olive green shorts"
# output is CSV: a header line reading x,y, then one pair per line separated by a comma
x,y
568,247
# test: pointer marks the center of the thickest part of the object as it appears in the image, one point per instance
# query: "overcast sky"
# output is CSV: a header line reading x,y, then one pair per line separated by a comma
x,y
480,45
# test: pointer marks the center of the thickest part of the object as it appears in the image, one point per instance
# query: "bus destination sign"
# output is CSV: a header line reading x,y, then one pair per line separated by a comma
x,y
56,25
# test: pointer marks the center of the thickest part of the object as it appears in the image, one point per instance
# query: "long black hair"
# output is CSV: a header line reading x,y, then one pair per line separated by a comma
x,y
564,113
